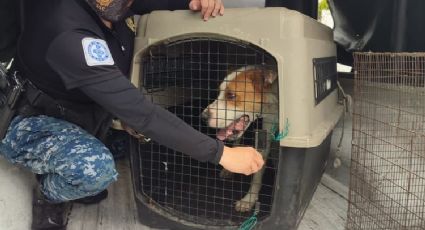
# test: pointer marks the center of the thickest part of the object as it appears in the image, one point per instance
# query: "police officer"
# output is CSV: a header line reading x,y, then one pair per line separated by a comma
x,y
76,55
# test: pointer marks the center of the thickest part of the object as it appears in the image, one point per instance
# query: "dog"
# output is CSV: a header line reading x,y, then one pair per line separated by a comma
x,y
245,95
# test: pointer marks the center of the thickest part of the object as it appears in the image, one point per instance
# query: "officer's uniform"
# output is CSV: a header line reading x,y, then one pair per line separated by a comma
x,y
70,55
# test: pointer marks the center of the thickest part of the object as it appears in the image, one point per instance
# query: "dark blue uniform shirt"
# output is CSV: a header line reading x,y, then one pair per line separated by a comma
x,y
67,52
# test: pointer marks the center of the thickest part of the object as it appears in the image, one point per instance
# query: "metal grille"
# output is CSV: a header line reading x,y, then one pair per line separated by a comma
x,y
325,77
184,77
387,189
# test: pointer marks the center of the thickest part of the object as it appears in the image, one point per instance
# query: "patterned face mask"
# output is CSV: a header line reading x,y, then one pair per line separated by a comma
x,y
111,10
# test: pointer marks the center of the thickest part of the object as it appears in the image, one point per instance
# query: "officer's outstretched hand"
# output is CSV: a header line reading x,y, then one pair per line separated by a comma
x,y
244,160
207,7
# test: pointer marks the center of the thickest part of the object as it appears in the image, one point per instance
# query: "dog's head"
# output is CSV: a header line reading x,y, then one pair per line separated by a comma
x,y
240,100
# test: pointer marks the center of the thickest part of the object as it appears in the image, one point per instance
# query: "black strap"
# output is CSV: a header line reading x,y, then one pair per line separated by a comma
x,y
11,89
92,118
39,99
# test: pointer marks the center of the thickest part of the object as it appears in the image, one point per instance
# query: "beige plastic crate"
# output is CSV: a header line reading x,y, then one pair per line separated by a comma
x,y
293,39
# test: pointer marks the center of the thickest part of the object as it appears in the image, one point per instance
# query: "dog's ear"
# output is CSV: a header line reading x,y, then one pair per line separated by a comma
x,y
263,79
269,77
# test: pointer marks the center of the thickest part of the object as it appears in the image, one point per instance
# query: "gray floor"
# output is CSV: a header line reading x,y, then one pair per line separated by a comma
x,y
327,210
118,211
15,197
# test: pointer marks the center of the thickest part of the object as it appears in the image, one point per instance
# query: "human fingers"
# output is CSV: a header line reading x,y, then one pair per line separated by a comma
x,y
259,160
204,7
195,5
255,163
217,7
257,166
209,9
221,9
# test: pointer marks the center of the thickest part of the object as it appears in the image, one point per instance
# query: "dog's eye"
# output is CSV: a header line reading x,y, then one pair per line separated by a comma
x,y
230,96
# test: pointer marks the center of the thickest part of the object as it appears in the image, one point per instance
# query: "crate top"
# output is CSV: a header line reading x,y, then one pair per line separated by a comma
x,y
265,27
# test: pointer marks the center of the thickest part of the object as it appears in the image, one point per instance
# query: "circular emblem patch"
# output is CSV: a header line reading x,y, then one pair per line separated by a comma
x,y
98,51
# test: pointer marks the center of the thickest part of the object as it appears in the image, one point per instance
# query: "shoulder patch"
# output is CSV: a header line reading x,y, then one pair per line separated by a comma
x,y
96,52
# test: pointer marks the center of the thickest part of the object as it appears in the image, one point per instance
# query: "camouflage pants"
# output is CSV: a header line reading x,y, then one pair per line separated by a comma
x,y
72,163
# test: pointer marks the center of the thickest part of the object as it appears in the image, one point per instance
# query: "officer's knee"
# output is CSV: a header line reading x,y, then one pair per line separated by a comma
x,y
106,174
95,173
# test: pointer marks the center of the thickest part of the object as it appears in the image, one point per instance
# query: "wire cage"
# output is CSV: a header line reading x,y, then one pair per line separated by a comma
x,y
249,81
185,77
387,188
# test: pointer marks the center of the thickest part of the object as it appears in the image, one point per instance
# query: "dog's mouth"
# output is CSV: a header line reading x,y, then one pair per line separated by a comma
x,y
234,130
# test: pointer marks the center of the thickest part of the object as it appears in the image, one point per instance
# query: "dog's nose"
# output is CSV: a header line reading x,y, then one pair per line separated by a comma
x,y
206,114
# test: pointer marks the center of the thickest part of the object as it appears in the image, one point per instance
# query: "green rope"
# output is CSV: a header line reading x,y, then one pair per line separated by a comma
x,y
250,223
276,135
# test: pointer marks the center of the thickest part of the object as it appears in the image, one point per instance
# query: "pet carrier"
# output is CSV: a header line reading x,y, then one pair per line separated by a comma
x,y
388,152
281,66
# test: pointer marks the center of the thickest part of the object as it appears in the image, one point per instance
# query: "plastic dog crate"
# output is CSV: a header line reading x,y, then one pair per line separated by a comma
x,y
181,61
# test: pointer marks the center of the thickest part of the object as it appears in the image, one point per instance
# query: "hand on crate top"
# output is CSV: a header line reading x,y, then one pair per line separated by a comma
x,y
244,160
207,7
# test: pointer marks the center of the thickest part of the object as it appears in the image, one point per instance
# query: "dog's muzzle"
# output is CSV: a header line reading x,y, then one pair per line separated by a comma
x,y
235,130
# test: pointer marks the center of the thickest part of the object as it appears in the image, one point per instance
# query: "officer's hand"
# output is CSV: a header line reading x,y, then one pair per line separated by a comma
x,y
244,160
207,7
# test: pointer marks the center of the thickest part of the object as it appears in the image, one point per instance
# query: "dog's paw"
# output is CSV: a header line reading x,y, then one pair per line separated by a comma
x,y
225,174
246,204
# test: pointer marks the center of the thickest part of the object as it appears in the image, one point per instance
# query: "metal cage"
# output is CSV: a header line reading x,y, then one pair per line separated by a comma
x,y
184,77
387,188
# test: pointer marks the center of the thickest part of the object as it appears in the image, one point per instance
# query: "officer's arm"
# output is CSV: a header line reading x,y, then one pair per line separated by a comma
x,y
146,6
124,101
71,56
119,96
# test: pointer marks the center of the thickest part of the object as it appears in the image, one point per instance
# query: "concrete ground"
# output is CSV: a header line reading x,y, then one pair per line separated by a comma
x,y
327,211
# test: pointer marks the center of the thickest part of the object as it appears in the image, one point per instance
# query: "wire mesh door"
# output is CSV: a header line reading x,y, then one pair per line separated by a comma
x,y
186,77
387,188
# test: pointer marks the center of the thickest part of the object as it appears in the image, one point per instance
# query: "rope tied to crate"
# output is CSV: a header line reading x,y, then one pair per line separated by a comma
x,y
278,136
250,223
347,102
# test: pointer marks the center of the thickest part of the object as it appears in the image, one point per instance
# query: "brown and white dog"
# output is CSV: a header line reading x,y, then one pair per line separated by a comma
x,y
245,95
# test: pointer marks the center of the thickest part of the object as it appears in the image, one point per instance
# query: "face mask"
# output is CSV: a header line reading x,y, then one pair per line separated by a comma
x,y
111,10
